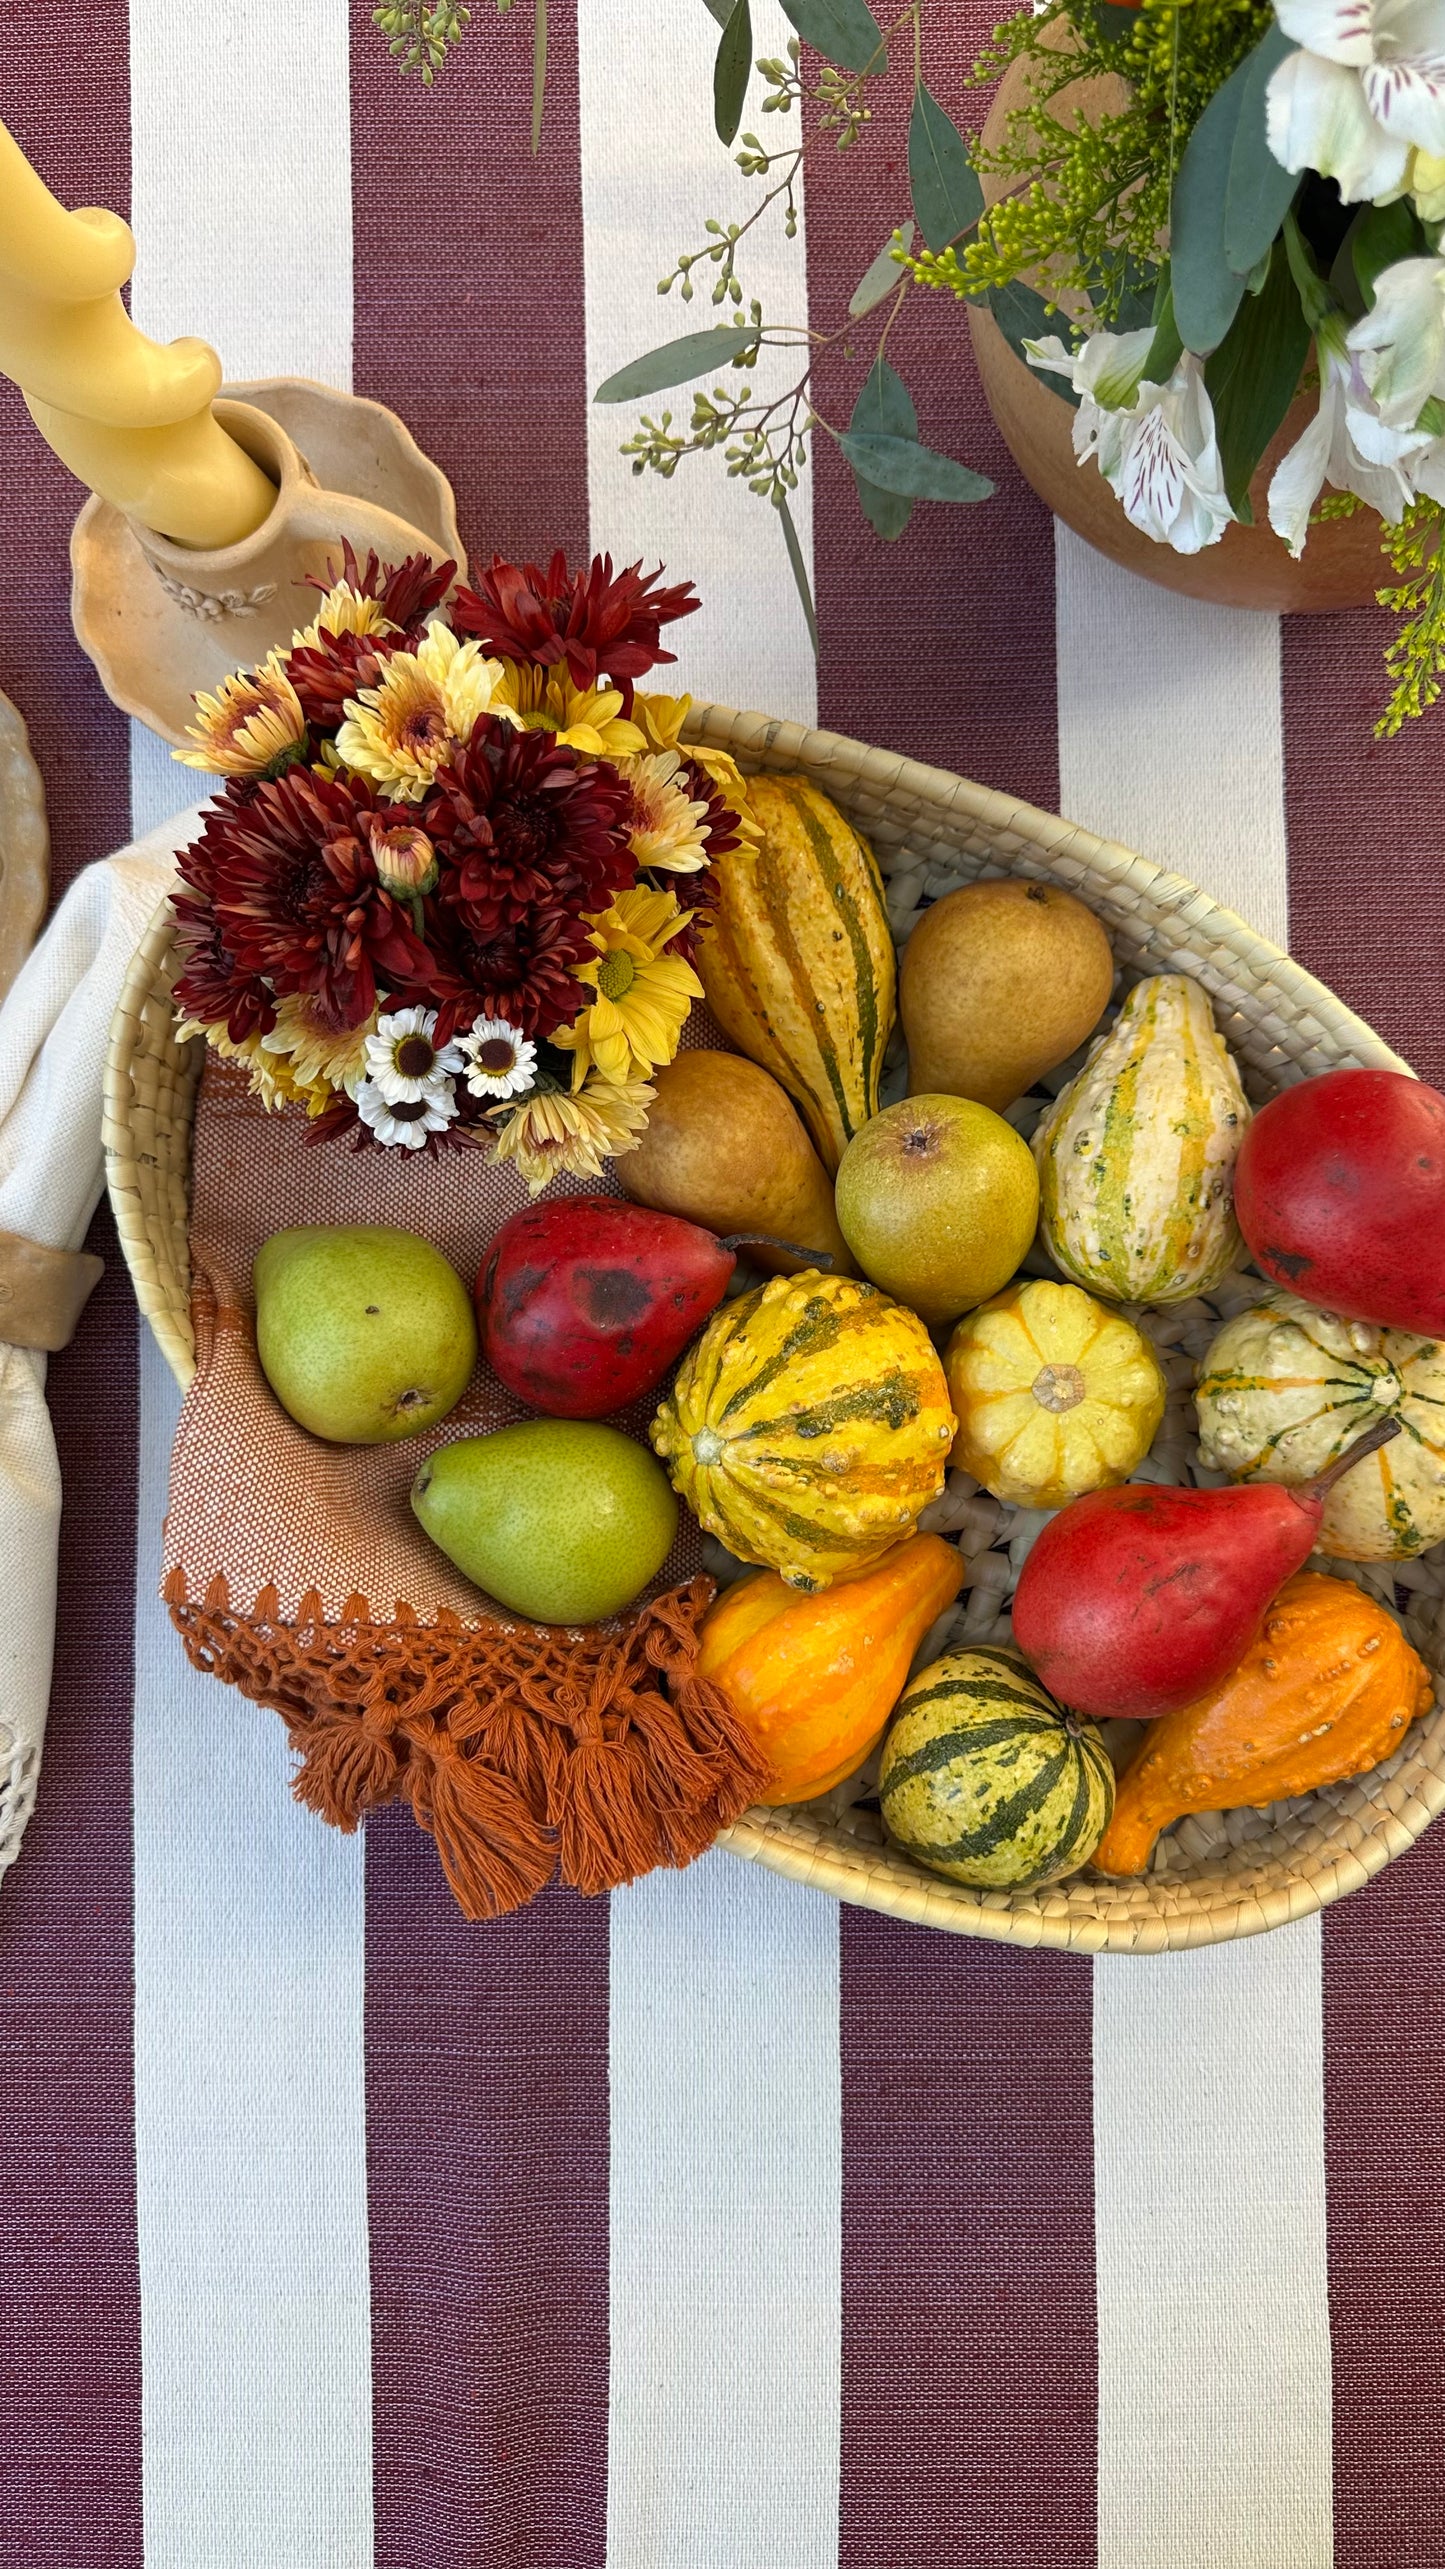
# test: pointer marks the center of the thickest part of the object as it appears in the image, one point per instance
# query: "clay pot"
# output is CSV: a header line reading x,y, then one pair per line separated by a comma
x,y
1342,565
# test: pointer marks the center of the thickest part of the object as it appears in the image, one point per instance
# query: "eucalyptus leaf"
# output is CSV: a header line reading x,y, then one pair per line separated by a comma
x,y
722,10
883,408
702,352
1207,291
1023,314
915,472
1258,192
1253,376
881,276
730,72
799,570
947,198
842,31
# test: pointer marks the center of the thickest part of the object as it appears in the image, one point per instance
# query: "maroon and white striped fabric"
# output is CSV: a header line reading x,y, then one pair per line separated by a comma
x,y
721,2227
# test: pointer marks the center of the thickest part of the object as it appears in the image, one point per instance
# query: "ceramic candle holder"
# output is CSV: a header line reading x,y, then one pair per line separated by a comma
x,y
161,621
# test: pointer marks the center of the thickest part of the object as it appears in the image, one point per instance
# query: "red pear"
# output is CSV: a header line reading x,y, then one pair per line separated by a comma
x,y
585,1303
1339,1190
1134,1601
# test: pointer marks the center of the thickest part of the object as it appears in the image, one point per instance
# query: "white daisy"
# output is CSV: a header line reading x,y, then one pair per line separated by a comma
x,y
406,1121
404,1061
500,1061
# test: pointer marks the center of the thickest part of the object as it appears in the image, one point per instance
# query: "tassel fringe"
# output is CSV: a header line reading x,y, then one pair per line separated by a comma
x,y
523,1755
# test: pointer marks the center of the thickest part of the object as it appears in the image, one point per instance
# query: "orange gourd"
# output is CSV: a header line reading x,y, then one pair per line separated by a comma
x,y
814,1679
1328,1690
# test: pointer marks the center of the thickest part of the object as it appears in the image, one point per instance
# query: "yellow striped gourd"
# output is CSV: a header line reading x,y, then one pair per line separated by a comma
x,y
1136,1159
809,1426
986,1780
1285,1388
797,960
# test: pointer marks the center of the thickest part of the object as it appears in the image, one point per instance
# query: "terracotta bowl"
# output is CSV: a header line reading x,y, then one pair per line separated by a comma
x,y
1342,565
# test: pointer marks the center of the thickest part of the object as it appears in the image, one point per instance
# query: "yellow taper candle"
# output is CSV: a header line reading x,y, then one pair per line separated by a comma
x,y
130,418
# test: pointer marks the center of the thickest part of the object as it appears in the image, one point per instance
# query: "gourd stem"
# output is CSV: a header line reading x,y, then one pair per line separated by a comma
x,y
737,1240
1370,1443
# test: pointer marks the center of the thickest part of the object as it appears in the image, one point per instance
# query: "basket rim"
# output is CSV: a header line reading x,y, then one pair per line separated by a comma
x,y
789,1841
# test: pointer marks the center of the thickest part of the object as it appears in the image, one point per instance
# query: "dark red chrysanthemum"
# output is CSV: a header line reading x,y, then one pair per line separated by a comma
x,y
523,971
290,879
408,591
337,665
521,823
325,673
602,623
212,986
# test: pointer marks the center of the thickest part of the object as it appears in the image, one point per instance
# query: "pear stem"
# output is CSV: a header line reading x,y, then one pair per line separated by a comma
x,y
737,1240
1370,1443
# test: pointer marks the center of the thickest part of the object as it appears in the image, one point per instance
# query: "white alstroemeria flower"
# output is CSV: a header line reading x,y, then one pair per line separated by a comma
x,y
404,1061
406,1121
1400,341
1153,443
1368,83
1316,117
1348,445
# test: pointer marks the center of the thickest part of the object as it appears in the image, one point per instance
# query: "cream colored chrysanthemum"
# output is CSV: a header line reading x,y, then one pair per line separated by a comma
x,y
316,1054
428,702
669,829
550,1134
586,718
344,610
252,726
642,996
273,1076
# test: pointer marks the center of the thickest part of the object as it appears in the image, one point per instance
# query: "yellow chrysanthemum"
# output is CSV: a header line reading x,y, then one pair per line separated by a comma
x,y
344,610
273,1077
428,701
662,719
550,1133
585,718
642,995
252,726
669,829
314,1055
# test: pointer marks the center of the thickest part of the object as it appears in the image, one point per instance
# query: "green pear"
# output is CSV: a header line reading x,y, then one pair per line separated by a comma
x,y
561,1519
365,1335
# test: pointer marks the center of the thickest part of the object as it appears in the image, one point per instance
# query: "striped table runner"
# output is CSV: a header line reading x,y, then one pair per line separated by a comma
x,y
725,2230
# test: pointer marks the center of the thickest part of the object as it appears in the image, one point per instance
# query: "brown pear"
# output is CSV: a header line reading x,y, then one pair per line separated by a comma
x,y
724,1147
1001,982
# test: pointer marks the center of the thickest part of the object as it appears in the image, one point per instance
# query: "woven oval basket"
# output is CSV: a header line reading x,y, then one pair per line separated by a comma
x,y
1217,1877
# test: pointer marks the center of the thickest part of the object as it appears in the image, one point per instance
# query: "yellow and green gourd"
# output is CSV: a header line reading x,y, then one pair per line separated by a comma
x,y
797,960
1285,1388
1136,1159
986,1780
809,1426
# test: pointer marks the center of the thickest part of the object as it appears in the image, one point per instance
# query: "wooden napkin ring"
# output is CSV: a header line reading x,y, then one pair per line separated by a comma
x,y
43,1292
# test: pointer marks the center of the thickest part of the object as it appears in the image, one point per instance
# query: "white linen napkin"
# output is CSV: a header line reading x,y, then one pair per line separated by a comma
x,y
54,1028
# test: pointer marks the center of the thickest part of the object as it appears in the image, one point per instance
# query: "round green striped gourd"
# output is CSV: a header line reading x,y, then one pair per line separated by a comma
x,y
986,1780
1136,1160
797,957
1285,1388
809,1426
